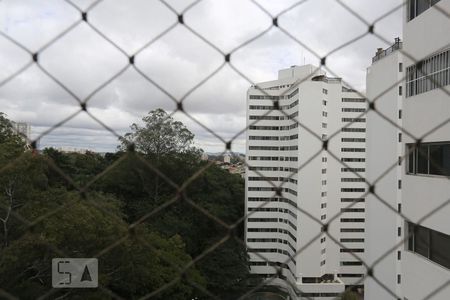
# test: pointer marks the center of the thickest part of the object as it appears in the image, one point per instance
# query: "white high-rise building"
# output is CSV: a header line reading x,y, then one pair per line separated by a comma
x,y
418,185
23,129
293,185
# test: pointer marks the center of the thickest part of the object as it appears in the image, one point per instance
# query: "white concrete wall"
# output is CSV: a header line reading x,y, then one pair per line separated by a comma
x,y
424,35
382,154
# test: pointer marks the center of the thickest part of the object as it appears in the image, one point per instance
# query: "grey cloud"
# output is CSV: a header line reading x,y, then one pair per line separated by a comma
x,y
177,61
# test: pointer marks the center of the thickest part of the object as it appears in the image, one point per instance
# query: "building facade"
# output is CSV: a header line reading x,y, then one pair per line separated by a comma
x,y
294,186
416,229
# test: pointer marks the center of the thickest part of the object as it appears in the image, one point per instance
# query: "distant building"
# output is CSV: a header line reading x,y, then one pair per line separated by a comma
x,y
227,158
23,129
66,149
204,156
280,153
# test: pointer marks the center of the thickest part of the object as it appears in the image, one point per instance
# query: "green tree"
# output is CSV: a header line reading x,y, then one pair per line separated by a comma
x,y
81,168
20,174
81,229
160,136
11,144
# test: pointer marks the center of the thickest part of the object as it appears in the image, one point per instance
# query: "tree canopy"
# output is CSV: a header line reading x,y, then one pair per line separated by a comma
x,y
43,215
160,135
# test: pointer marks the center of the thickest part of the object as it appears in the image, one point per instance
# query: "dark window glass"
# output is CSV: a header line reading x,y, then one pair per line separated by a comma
x,y
410,236
411,160
412,9
440,159
422,5
422,240
440,248
436,159
422,160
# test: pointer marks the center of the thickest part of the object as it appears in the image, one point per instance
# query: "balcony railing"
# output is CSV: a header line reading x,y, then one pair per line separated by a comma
x,y
382,53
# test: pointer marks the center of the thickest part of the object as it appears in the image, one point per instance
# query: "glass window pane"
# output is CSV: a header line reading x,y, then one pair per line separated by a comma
x,y
422,160
411,160
446,159
433,2
422,5
436,159
410,236
421,240
440,248
412,9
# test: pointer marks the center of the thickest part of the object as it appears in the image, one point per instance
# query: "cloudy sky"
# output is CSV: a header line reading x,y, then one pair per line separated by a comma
x,y
82,60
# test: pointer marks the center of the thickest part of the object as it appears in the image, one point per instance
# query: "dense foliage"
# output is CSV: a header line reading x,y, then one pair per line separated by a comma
x,y
45,212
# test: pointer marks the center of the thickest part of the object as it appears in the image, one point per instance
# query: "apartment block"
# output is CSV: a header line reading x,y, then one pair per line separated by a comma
x,y
306,164
418,187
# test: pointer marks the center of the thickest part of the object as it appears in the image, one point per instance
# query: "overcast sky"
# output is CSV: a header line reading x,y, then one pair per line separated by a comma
x,y
82,60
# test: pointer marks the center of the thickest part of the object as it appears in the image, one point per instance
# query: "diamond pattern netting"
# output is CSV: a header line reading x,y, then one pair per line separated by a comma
x,y
181,19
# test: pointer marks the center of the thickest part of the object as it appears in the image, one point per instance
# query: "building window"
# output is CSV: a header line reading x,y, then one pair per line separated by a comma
x,y
325,91
353,140
357,200
400,90
351,263
352,220
429,243
417,7
400,67
399,113
324,102
399,255
346,129
353,190
429,158
399,231
353,169
352,209
354,120
353,100
399,184
350,250
353,149
429,74
359,240
353,159
349,109
399,278
399,208
352,229
399,137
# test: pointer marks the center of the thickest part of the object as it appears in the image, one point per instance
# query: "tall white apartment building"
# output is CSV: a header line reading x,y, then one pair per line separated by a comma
x,y
418,185
294,186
